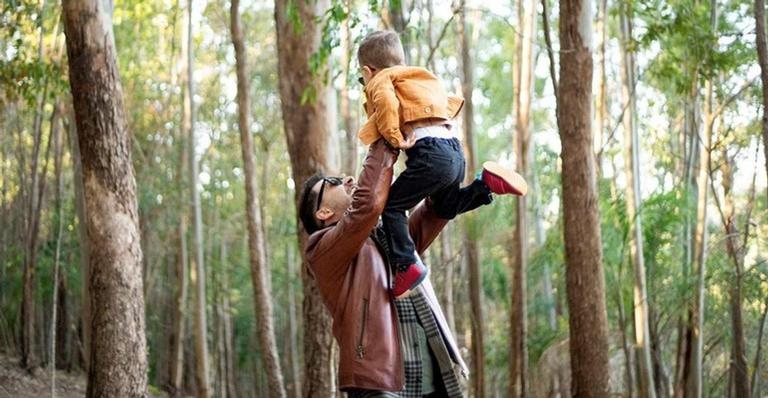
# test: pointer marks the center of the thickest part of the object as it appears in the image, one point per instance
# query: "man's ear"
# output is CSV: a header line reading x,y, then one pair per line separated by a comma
x,y
324,213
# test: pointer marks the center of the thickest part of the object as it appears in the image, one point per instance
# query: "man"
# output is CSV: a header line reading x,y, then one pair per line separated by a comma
x,y
387,347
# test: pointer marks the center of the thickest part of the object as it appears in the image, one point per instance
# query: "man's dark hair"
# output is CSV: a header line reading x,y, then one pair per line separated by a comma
x,y
308,203
381,49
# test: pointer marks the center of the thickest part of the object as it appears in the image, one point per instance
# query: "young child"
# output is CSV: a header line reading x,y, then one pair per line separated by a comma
x,y
409,108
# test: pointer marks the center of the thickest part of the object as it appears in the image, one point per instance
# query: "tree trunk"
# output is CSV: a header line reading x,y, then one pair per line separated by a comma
x,y
690,145
115,283
82,233
583,254
548,40
632,172
470,241
256,246
519,318
693,368
177,335
178,332
349,155
629,378
29,358
306,132
398,23
762,58
661,378
55,306
226,352
293,340
601,111
736,252
757,364
197,266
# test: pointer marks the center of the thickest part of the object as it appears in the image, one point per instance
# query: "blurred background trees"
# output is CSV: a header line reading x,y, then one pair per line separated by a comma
x,y
675,129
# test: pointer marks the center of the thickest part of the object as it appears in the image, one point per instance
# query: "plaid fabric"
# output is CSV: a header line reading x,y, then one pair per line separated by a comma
x,y
360,393
416,316
437,345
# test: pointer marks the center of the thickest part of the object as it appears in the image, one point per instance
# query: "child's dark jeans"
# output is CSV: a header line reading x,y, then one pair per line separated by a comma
x,y
435,169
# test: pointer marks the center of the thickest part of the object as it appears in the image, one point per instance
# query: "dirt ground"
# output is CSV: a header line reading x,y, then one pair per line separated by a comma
x,y
16,382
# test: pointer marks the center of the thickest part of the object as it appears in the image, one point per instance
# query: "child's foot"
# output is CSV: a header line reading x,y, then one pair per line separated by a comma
x,y
502,180
407,280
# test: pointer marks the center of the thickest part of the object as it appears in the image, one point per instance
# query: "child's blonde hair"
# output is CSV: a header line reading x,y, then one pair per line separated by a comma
x,y
381,49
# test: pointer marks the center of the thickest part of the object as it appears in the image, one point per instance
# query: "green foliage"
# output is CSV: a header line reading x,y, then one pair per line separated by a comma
x,y
330,38
677,50
690,48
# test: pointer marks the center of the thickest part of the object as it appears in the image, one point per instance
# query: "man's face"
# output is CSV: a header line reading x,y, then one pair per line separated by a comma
x,y
334,196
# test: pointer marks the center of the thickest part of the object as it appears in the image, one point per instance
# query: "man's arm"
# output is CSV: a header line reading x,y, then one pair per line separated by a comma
x,y
330,251
424,225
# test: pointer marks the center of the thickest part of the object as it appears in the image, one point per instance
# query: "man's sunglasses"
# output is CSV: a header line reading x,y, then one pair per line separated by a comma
x,y
334,181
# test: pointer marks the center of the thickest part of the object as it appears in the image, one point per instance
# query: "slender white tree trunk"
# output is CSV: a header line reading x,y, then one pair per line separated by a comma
x,y
197,267
632,173
256,245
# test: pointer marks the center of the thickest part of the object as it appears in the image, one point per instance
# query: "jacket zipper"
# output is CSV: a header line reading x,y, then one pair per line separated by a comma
x,y
360,348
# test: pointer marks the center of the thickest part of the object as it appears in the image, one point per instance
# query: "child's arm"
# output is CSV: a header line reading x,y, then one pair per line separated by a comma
x,y
386,110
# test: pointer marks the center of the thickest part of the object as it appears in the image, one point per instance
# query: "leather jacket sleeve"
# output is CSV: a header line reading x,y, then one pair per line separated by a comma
x,y
332,251
424,225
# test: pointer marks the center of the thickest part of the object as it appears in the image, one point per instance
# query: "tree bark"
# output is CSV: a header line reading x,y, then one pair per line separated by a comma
x,y
398,22
293,341
693,368
29,358
735,249
632,172
82,233
757,364
228,387
176,346
600,99
55,306
583,254
519,317
629,377
762,58
181,261
256,246
469,241
306,132
349,155
197,267
691,147
117,322
548,40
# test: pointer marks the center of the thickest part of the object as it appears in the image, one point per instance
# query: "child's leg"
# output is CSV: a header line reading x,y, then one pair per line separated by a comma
x,y
414,184
453,200
427,171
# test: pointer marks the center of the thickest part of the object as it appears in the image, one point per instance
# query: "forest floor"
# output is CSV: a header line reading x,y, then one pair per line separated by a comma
x,y
16,382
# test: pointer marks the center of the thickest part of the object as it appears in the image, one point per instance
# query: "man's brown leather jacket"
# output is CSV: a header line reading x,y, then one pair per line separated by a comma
x,y
353,278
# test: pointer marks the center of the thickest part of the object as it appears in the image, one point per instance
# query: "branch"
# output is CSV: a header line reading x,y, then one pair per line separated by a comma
x,y
443,31
548,40
719,111
621,116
